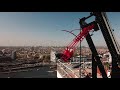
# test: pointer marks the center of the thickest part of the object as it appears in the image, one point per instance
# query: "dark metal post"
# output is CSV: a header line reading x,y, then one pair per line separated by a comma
x,y
94,67
110,41
80,59
97,58
93,49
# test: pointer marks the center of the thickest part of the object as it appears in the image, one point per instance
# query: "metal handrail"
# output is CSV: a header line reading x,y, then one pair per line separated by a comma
x,y
60,64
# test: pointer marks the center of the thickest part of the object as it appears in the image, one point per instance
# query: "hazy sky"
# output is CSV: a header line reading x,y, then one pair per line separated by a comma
x,y
44,28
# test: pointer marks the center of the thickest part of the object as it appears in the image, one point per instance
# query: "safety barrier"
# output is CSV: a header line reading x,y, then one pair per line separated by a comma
x,y
65,71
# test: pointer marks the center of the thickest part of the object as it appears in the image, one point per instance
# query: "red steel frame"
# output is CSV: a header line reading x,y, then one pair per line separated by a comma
x,y
68,52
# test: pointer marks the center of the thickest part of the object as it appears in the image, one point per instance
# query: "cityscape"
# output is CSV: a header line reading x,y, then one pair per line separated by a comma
x,y
59,45
15,59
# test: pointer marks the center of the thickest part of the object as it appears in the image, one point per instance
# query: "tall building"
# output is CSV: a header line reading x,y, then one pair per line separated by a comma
x,y
109,58
53,56
3,50
1,53
13,56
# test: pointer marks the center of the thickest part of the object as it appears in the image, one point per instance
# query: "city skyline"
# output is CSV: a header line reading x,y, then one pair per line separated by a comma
x,y
44,28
